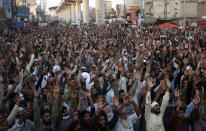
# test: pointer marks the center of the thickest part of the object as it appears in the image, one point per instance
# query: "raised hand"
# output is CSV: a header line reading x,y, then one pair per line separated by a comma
x,y
144,91
195,100
100,103
125,100
190,72
177,93
131,98
40,58
75,116
16,79
57,89
138,75
17,100
168,84
74,95
107,74
35,92
197,72
121,69
56,79
150,84
202,94
88,93
80,97
179,103
116,101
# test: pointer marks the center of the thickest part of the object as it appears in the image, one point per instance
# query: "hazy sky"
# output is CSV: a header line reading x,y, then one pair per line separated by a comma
x,y
51,3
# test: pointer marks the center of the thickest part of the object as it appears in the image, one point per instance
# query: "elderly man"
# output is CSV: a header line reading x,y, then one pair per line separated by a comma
x,y
125,122
153,112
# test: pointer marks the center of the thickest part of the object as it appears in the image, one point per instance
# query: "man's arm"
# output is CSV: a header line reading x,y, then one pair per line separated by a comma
x,y
88,94
166,98
195,115
116,69
106,80
189,109
172,119
201,107
14,112
16,127
135,84
1,95
80,102
148,99
113,121
36,109
191,106
11,90
30,63
55,107
131,100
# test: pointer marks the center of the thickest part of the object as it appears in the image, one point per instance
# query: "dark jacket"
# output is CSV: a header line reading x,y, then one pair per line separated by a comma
x,y
109,125
63,124
39,125
177,124
86,127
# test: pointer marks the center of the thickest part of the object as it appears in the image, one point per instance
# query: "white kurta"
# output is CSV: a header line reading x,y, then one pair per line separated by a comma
x,y
154,122
132,118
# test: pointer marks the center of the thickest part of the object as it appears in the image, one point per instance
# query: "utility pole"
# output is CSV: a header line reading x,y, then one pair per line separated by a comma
x,y
40,9
143,7
184,14
24,3
124,9
125,16
165,8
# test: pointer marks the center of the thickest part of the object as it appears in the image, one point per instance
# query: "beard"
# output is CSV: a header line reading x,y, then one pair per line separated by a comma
x,y
157,112
109,116
125,122
47,122
66,116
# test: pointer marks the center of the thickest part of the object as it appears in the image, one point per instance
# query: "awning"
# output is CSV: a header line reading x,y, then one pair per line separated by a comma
x,y
167,24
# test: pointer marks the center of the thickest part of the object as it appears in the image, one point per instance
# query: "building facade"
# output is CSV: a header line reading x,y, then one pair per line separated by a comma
x,y
133,3
191,8
166,8
172,9
108,8
201,9
53,14
1,4
31,4
120,10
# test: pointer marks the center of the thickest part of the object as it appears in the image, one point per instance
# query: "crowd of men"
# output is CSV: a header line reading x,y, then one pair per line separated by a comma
x,y
102,78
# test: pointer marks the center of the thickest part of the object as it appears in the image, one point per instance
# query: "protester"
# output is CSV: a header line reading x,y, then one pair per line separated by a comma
x,y
102,78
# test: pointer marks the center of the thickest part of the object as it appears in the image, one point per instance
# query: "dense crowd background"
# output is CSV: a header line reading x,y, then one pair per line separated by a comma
x,y
102,78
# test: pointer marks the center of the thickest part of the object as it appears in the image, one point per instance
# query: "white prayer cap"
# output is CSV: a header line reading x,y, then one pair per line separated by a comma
x,y
20,109
188,68
154,103
56,69
85,75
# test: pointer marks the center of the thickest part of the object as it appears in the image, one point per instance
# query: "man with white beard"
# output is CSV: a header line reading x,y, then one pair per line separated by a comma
x,y
125,122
